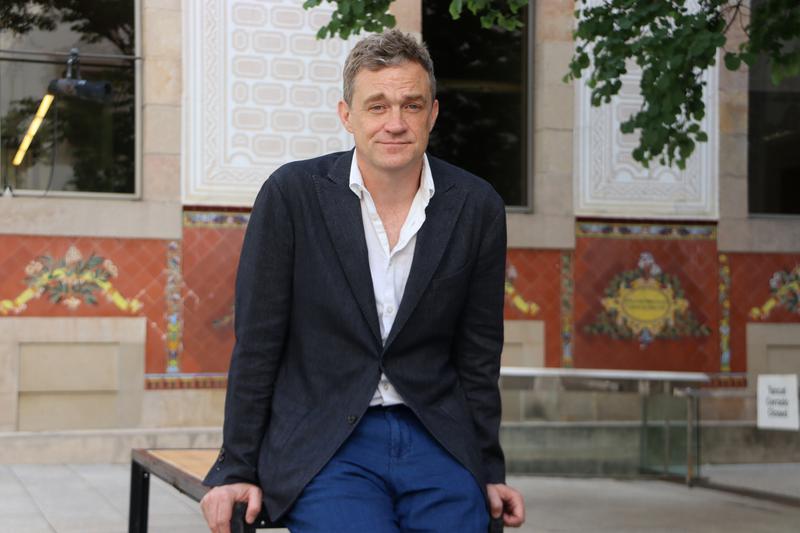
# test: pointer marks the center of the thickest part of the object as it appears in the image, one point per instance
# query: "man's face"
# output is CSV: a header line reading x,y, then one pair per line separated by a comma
x,y
390,117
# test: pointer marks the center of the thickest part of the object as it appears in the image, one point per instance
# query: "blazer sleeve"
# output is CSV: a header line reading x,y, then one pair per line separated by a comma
x,y
262,309
479,339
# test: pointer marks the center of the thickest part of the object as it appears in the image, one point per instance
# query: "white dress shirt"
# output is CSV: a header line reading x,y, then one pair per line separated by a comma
x,y
390,268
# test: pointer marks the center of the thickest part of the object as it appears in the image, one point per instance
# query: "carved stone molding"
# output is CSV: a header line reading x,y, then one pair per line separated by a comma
x,y
260,90
610,183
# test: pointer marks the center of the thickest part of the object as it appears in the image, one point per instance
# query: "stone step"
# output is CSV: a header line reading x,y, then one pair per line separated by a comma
x,y
569,448
615,448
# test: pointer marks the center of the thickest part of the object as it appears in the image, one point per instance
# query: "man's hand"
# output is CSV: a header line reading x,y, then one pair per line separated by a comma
x,y
506,502
217,505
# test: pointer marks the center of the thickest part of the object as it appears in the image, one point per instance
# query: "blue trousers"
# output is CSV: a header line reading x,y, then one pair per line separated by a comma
x,y
390,476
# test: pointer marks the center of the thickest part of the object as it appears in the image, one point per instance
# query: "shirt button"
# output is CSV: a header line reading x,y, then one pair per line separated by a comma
x,y
389,309
385,386
351,419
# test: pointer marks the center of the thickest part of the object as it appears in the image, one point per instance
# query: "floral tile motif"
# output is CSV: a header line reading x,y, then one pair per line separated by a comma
x,y
784,286
646,297
513,297
70,281
646,303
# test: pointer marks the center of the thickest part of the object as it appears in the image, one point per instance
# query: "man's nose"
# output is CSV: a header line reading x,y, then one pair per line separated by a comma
x,y
395,122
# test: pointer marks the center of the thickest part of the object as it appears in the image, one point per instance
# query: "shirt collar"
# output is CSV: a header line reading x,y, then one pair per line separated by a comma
x,y
426,186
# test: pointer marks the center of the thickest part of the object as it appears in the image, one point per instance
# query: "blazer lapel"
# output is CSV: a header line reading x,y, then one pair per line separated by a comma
x,y
440,218
341,211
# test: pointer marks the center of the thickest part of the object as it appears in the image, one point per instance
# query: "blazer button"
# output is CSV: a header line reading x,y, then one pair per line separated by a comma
x,y
352,419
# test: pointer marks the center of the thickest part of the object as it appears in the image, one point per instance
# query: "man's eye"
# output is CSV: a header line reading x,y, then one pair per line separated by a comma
x,y
414,107
377,108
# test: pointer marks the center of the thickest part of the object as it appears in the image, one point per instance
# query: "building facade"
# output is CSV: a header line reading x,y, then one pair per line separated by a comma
x,y
116,294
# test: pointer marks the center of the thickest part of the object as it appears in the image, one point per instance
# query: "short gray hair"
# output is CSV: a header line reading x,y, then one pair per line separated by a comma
x,y
382,50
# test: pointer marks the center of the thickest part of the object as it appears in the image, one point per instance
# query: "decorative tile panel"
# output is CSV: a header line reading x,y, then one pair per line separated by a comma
x,y
261,91
88,277
609,182
763,288
646,297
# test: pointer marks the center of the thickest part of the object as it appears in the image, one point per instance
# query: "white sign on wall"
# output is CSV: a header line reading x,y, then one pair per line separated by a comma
x,y
777,402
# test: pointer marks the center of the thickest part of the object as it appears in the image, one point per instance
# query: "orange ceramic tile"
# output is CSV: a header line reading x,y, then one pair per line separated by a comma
x,y
533,280
211,246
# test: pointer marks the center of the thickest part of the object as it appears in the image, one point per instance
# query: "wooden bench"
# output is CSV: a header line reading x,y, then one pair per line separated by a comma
x,y
184,469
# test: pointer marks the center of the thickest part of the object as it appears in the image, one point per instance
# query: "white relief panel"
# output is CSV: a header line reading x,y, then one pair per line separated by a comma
x,y
260,91
610,183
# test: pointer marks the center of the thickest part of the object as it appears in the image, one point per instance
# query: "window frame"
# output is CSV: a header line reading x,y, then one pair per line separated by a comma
x,y
136,59
530,68
528,122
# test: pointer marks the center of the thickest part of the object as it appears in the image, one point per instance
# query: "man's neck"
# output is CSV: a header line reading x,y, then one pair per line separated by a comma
x,y
392,189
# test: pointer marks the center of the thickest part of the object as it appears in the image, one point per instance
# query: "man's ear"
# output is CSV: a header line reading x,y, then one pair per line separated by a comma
x,y
434,114
344,115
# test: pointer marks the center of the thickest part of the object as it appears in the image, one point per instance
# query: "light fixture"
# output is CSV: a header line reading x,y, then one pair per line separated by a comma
x,y
47,99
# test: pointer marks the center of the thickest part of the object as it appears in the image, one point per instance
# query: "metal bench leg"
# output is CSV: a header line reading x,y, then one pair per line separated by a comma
x,y
238,523
140,491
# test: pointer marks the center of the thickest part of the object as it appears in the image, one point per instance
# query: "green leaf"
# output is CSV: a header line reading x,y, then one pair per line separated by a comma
x,y
455,9
732,61
748,57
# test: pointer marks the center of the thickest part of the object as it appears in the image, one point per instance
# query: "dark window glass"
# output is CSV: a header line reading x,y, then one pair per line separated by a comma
x,y
85,140
773,142
481,79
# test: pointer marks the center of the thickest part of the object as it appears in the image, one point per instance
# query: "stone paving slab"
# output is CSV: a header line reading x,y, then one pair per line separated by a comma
x,y
607,505
94,499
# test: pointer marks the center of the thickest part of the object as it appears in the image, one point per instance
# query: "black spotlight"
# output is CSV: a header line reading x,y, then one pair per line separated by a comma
x,y
74,86
96,91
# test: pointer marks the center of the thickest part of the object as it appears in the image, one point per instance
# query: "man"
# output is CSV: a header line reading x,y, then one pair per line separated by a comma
x,y
362,394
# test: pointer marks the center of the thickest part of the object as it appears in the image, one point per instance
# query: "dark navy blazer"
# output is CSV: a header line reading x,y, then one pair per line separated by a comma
x,y
308,353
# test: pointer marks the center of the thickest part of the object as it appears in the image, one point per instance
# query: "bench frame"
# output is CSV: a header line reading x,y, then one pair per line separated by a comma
x,y
145,464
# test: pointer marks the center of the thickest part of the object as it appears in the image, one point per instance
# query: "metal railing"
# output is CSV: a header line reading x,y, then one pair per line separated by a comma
x,y
650,412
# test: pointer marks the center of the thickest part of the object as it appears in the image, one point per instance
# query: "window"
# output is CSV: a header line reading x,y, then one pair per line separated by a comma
x,y
773,141
67,97
482,86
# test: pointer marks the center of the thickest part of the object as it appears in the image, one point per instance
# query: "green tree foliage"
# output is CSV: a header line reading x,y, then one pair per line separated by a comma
x,y
669,40
673,43
352,16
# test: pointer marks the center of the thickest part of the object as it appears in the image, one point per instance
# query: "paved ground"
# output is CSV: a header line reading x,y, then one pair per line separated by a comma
x,y
94,499
778,478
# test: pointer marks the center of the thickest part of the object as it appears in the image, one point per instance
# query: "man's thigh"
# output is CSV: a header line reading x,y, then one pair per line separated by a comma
x,y
390,476
433,491
350,493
